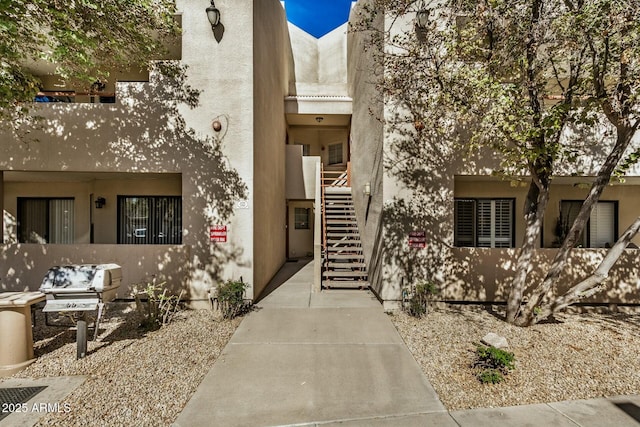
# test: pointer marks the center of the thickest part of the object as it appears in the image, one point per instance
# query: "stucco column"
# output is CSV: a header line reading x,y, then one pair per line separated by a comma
x,y
1,206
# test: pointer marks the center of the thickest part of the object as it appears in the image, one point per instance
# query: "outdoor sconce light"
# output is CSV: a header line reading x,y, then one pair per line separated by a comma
x,y
319,119
213,14
100,202
422,18
367,189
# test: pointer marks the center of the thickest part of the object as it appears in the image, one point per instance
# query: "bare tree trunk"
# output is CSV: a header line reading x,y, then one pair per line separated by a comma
x,y
592,284
535,206
542,296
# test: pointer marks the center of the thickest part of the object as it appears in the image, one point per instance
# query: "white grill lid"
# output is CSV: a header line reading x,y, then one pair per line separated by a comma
x,y
81,278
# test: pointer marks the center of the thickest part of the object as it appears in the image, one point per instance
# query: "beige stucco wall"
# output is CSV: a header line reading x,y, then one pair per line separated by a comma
x,y
301,174
271,75
23,266
477,274
136,135
367,149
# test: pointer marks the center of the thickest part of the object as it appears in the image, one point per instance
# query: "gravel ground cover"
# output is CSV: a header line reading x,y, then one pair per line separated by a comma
x,y
577,356
134,377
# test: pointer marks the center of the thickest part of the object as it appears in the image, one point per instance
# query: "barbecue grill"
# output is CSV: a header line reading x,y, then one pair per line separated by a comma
x,y
78,289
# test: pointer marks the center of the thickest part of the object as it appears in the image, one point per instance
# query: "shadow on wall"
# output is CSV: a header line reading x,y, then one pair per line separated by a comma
x,y
144,132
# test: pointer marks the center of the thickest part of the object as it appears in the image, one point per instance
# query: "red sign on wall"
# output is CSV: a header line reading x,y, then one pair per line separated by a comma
x,y
218,233
417,239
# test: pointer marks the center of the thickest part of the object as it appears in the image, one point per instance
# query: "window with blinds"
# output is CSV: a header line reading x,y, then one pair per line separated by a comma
x,y
46,220
301,218
335,154
150,220
601,230
486,223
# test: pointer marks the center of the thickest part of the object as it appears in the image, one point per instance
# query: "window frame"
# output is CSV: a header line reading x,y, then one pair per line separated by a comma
x,y
475,218
301,225
124,238
585,240
340,154
20,211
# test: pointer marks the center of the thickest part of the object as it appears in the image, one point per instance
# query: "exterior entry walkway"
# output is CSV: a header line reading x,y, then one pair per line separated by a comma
x,y
304,358
334,358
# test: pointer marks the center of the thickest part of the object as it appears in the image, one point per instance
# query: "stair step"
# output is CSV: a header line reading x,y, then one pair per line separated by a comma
x,y
347,216
341,221
348,241
346,265
356,249
332,234
357,284
347,227
344,274
334,256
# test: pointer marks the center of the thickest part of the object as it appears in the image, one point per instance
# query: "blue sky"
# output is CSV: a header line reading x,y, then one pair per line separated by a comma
x,y
318,17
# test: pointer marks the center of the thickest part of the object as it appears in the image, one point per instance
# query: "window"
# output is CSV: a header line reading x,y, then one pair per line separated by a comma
x,y
335,153
301,218
306,149
150,220
45,220
485,223
601,230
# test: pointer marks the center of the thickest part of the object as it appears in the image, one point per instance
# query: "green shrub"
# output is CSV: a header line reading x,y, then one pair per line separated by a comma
x,y
155,305
417,302
231,299
493,364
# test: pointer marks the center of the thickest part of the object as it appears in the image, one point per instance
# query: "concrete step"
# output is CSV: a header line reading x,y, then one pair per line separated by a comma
x,y
353,284
344,249
337,227
332,234
343,241
334,256
344,274
341,221
346,265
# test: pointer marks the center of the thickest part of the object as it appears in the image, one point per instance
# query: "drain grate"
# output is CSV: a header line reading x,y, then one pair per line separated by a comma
x,y
11,398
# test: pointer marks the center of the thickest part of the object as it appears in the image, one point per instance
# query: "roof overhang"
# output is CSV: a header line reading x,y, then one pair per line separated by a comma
x,y
300,104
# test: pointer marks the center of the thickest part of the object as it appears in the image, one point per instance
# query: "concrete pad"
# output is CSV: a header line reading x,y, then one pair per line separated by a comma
x,y
319,326
48,399
513,416
344,299
440,419
288,295
619,411
283,384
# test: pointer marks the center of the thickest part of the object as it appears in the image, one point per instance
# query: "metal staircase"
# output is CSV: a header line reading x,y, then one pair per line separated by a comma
x,y
343,265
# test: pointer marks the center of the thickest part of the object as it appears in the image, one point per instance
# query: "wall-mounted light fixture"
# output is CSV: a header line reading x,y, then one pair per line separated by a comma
x,y
319,119
367,189
213,14
100,202
422,18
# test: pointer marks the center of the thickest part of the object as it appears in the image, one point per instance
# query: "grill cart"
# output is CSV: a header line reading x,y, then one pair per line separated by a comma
x,y
77,289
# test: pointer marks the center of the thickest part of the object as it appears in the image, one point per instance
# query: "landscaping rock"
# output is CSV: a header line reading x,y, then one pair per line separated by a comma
x,y
494,340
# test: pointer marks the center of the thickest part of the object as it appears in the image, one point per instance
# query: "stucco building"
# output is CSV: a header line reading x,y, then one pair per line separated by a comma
x,y
230,187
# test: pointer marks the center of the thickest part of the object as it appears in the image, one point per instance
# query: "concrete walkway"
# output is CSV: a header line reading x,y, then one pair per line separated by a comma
x,y
334,358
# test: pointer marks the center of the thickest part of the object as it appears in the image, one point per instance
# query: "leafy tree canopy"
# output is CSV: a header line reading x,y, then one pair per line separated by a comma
x,y
542,83
82,39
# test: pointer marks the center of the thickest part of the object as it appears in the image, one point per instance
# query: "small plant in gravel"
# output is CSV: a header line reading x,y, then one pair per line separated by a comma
x,y
492,364
416,301
231,299
156,306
